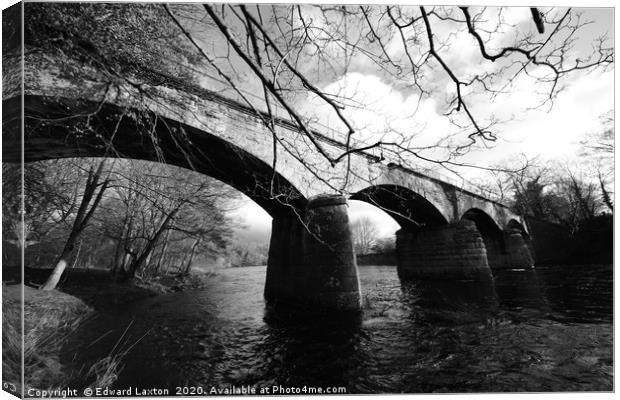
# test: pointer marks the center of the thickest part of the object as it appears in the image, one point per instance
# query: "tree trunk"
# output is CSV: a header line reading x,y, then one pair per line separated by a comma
x,y
606,196
82,218
54,278
139,261
146,264
124,266
61,264
163,252
188,266
119,253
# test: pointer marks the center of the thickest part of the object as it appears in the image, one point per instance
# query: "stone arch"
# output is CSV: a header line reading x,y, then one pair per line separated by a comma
x,y
427,246
513,224
492,236
411,210
58,128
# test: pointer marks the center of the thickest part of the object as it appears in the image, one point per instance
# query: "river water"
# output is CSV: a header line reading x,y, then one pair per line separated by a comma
x,y
547,329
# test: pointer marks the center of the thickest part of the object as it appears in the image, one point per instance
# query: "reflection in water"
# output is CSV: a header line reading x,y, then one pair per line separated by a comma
x,y
440,298
521,289
583,294
536,330
301,343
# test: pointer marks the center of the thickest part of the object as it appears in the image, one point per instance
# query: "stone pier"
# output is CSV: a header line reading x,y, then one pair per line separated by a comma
x,y
284,260
454,251
314,265
496,252
518,253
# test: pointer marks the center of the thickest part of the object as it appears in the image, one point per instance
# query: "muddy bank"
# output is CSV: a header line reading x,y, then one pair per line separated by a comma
x,y
100,290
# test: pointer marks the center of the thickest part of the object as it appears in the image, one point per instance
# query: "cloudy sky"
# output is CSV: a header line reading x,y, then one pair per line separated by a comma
x,y
550,133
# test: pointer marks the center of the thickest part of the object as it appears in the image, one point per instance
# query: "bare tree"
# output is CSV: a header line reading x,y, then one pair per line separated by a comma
x,y
365,235
93,192
605,193
601,143
49,195
598,149
551,191
157,211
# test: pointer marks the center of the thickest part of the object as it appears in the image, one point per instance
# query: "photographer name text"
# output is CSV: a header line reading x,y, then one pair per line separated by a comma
x,y
183,391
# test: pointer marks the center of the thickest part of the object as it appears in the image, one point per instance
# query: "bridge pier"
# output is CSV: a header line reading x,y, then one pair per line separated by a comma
x,y
454,251
284,260
518,253
314,265
511,252
497,257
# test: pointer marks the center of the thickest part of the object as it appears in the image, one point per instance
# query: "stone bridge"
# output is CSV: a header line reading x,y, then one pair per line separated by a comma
x,y
73,109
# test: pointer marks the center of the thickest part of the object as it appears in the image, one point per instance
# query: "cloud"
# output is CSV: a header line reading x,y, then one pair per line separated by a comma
x,y
379,108
386,225
553,135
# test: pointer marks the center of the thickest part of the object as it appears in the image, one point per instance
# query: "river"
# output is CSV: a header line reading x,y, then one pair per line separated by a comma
x,y
546,329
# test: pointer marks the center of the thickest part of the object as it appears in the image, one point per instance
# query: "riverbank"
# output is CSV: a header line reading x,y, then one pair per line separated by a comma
x,y
105,293
50,316
100,290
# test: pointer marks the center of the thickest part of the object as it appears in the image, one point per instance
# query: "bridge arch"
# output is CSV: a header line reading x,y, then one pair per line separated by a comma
x,y
411,210
59,128
514,225
492,235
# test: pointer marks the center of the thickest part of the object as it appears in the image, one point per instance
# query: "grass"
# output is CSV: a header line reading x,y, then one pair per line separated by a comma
x,y
49,317
175,283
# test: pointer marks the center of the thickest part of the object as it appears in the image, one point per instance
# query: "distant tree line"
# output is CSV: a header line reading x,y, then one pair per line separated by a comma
x,y
575,196
246,254
582,206
370,247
